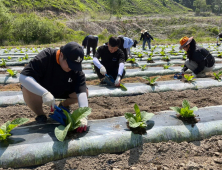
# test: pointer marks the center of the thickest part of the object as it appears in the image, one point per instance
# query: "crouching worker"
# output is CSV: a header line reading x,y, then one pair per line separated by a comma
x,y
90,41
125,45
54,74
112,61
199,59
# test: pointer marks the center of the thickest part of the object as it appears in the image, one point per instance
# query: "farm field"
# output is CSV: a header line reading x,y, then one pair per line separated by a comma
x,y
204,154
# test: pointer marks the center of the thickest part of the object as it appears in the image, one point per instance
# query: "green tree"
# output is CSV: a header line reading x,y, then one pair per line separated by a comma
x,y
115,6
5,22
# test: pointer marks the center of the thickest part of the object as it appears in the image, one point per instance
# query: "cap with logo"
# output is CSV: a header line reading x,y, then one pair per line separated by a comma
x,y
74,55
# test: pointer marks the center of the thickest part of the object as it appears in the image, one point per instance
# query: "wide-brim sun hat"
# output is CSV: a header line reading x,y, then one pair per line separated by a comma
x,y
185,41
143,31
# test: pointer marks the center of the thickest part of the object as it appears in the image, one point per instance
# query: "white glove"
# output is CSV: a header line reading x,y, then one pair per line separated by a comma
x,y
84,122
48,99
117,81
83,126
103,70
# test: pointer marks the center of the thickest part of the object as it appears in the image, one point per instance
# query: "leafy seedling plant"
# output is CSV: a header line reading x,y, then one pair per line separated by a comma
x,y
152,81
12,72
186,113
166,66
189,78
217,75
166,58
162,53
131,60
184,57
137,122
3,64
87,58
143,67
9,58
6,128
140,55
219,55
72,122
150,60
123,87
151,54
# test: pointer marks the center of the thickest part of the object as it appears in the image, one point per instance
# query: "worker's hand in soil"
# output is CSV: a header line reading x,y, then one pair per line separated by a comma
x,y
48,99
83,126
103,70
117,81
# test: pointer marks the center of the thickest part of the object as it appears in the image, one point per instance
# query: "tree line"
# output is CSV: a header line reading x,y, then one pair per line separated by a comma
x,y
198,6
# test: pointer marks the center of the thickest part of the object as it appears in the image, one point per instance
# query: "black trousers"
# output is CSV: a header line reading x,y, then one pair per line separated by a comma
x,y
92,42
113,73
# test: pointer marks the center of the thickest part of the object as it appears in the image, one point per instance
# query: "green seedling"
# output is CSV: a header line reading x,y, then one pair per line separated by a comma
x,y
149,59
3,64
26,57
93,68
139,119
217,75
20,59
6,128
184,57
219,55
143,67
146,53
185,111
166,58
166,66
9,58
12,73
123,87
5,51
189,78
139,55
152,81
182,65
87,58
151,54
131,60
72,122
162,53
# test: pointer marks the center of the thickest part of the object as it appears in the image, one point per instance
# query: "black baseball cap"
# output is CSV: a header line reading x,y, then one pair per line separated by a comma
x,y
74,55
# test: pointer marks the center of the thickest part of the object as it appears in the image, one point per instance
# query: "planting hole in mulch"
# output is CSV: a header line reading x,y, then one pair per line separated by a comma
x,y
137,130
190,120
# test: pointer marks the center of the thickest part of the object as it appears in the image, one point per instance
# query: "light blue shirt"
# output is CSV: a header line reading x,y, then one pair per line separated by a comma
x,y
127,43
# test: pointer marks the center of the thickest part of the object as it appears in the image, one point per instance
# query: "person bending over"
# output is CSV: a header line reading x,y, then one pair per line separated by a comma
x,y
125,45
54,74
90,41
112,61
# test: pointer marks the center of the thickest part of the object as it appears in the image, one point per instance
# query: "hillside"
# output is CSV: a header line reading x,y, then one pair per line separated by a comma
x,y
93,7
46,21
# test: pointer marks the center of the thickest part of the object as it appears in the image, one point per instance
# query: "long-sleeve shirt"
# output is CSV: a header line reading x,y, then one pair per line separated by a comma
x,y
145,36
203,58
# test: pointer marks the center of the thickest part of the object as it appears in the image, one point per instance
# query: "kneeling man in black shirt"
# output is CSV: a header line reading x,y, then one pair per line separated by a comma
x,y
54,74
112,61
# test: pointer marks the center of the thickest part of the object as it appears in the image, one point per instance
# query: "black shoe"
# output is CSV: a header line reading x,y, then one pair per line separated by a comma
x,y
41,119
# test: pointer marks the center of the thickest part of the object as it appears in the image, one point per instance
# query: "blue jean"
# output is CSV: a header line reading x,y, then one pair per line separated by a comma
x,y
144,42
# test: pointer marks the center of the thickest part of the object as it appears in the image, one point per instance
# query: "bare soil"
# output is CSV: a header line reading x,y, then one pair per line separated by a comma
x,y
205,154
